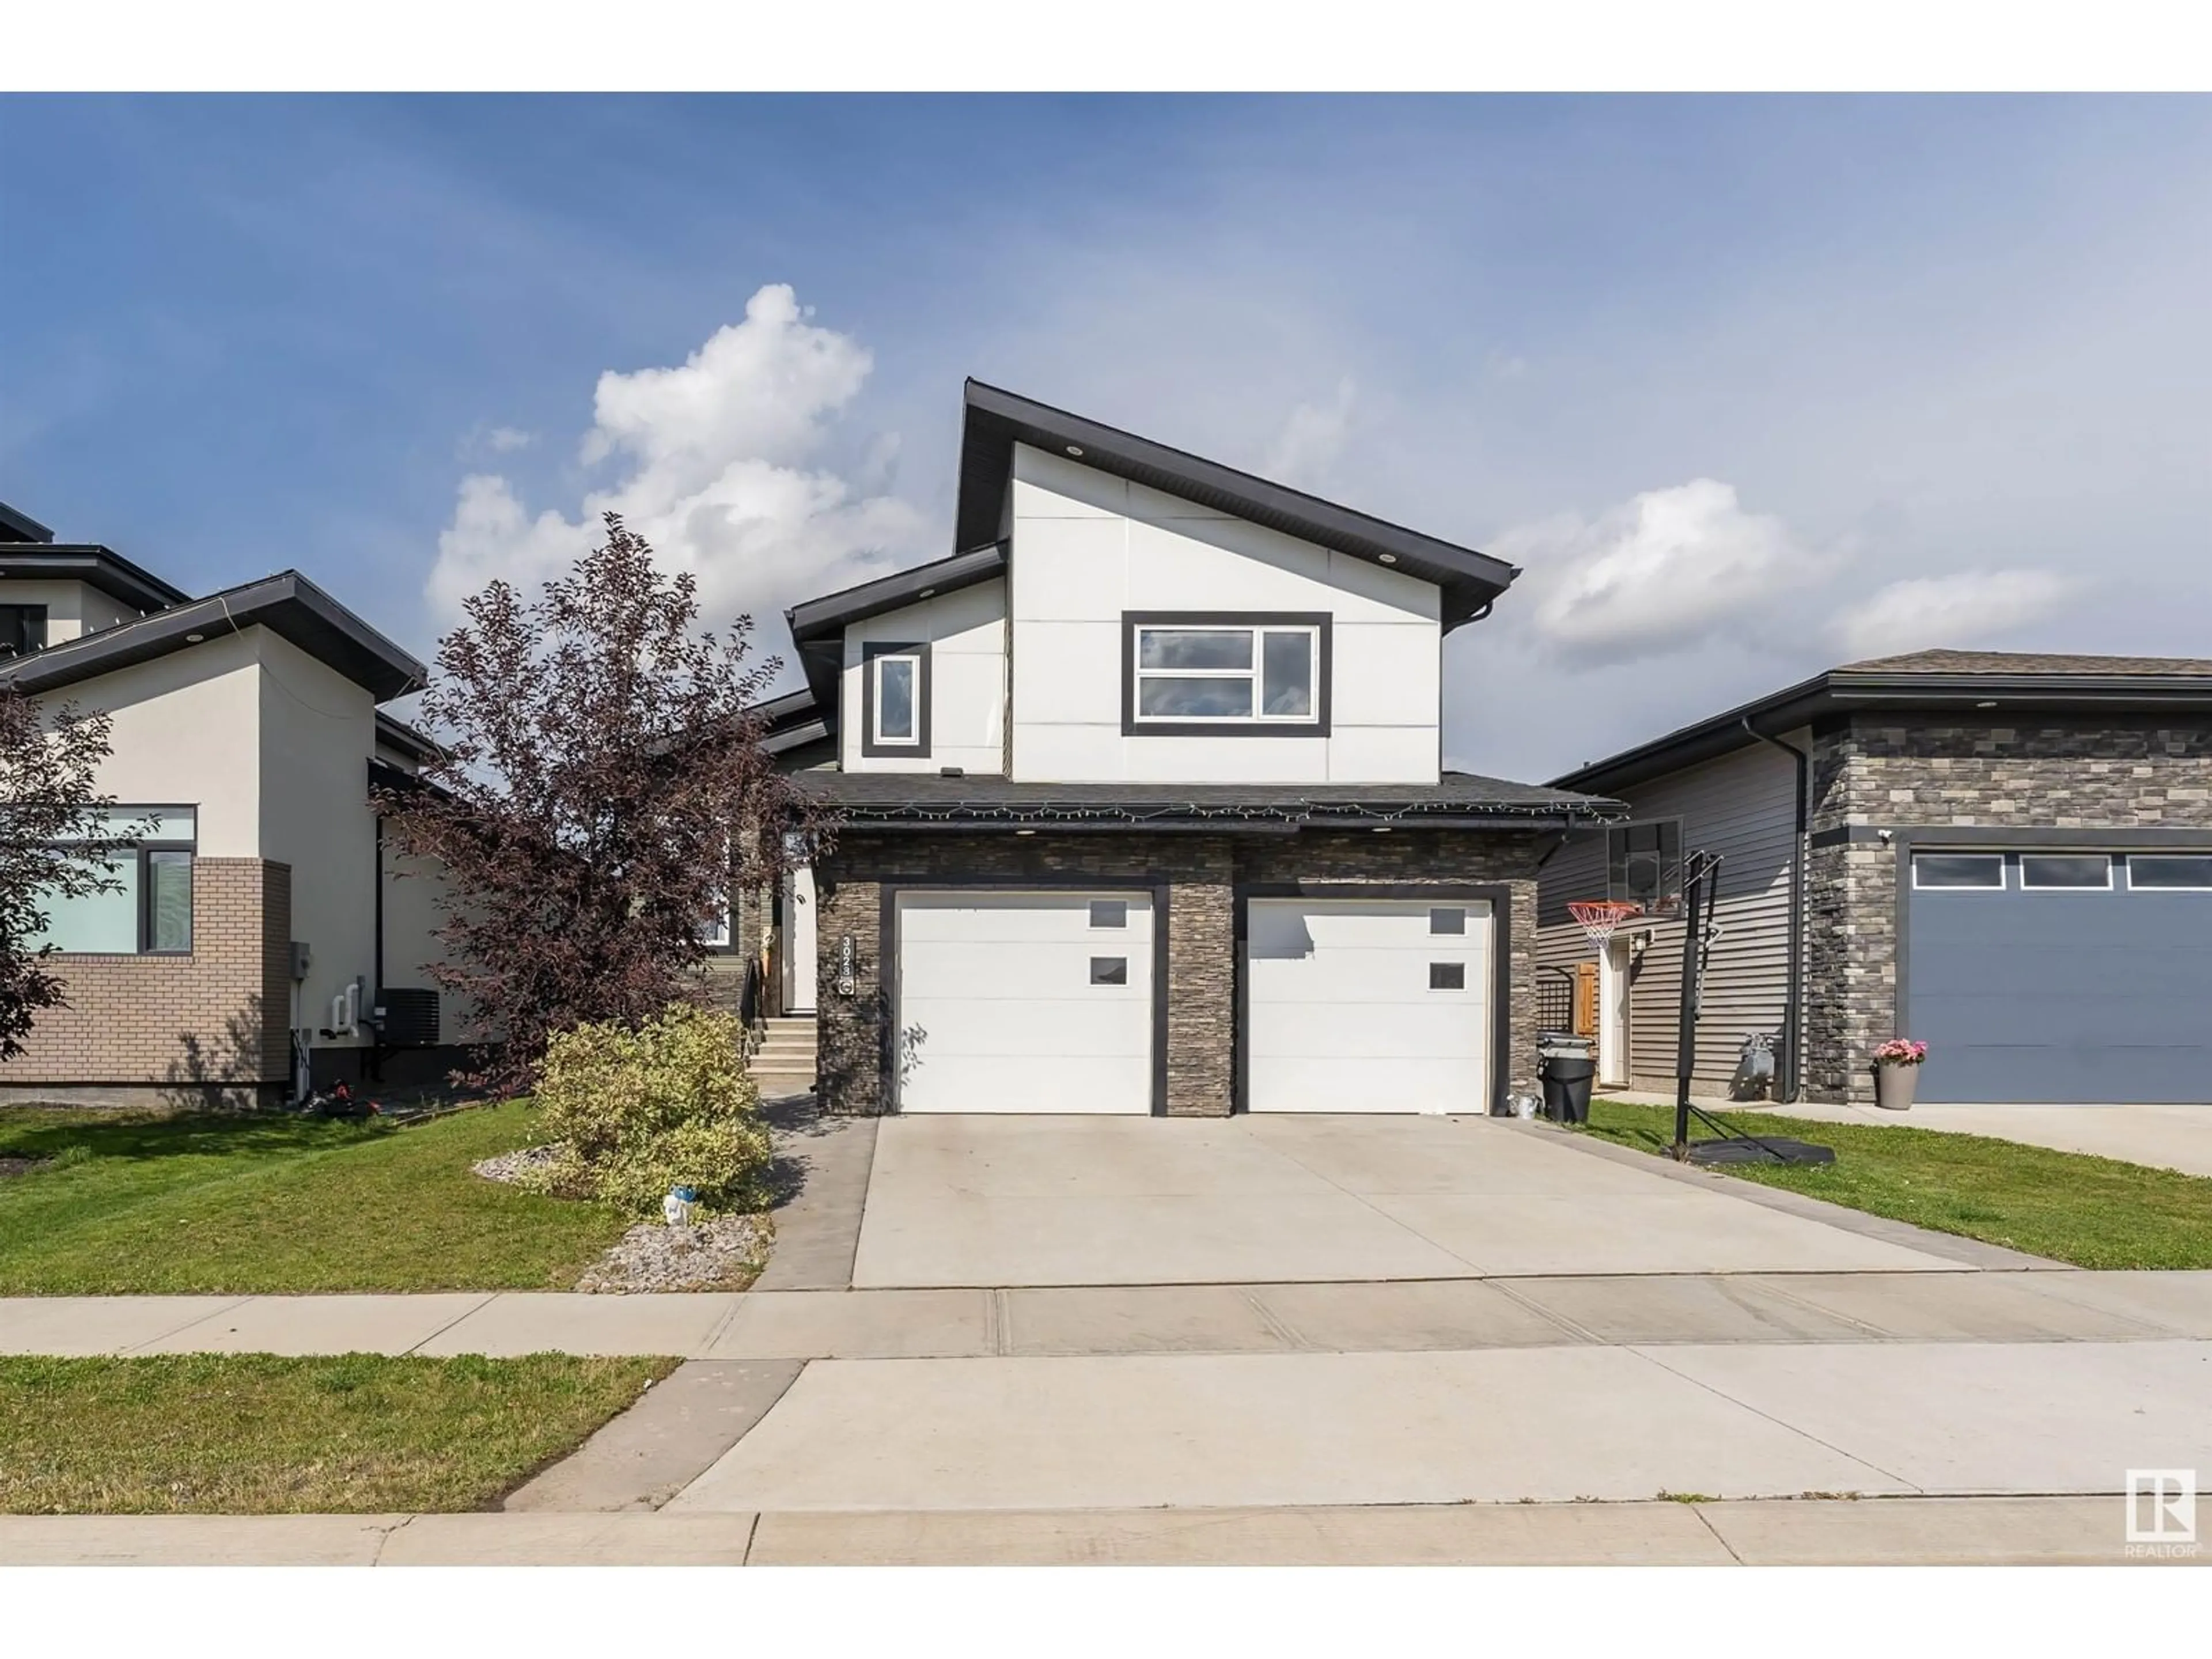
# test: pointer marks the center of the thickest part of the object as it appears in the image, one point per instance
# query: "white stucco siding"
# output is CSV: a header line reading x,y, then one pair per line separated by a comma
x,y
1088,547
317,730
73,608
185,732
966,633
413,890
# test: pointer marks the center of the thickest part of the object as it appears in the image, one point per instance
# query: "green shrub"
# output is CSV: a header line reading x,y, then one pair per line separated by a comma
x,y
635,1113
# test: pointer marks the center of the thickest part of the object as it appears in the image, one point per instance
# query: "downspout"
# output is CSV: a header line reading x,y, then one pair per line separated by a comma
x,y
1791,1079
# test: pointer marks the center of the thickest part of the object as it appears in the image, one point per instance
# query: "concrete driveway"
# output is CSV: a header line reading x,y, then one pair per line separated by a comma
x,y
1007,1201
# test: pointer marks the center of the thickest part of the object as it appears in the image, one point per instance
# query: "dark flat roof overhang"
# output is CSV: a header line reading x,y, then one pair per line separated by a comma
x,y
287,604
1842,692
996,420
93,565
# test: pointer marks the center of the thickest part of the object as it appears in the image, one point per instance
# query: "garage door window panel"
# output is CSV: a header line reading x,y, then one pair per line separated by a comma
x,y
2059,872
2170,872
1256,673
1966,871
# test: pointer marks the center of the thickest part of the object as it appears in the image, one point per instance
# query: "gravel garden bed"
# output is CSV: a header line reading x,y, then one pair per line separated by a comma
x,y
719,1253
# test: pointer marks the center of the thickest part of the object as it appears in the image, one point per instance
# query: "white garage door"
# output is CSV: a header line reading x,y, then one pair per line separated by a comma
x,y
1368,1005
1025,1002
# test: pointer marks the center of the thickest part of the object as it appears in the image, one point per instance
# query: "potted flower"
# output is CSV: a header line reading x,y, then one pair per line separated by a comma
x,y
1896,1069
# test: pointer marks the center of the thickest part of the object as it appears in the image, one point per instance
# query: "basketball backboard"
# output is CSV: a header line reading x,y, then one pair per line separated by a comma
x,y
1644,864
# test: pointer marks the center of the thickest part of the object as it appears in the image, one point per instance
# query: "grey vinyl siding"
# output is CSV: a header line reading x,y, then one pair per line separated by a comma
x,y
1743,807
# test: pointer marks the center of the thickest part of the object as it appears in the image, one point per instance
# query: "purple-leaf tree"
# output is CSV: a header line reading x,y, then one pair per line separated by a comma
x,y
57,841
601,793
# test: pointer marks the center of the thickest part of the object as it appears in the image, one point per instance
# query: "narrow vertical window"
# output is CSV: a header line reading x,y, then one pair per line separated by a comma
x,y
896,686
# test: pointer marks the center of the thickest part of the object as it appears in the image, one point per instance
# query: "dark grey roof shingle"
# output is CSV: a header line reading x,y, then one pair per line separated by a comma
x,y
2024,662
907,797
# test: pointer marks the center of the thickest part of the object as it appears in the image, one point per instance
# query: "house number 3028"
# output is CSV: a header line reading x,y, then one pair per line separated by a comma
x,y
846,981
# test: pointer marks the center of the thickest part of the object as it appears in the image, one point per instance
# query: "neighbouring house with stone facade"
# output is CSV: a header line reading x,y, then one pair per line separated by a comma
x,y
2007,856
1142,807
262,932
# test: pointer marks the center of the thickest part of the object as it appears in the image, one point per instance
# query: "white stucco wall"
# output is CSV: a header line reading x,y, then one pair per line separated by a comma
x,y
317,730
73,608
966,632
186,733
1088,546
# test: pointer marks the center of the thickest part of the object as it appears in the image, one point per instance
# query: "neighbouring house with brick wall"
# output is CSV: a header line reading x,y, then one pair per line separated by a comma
x,y
2006,856
261,931
1141,804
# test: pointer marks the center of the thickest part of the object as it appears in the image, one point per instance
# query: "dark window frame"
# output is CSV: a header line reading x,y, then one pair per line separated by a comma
x,y
13,618
1323,622
137,851
871,653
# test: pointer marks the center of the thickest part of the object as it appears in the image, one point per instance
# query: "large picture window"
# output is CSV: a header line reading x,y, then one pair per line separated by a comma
x,y
1256,673
894,700
148,909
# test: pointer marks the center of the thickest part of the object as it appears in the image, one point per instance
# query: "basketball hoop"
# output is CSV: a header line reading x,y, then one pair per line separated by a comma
x,y
1598,917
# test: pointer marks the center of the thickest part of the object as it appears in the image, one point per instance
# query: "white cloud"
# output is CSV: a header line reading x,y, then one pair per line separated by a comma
x,y
506,440
716,463
1306,450
1962,610
1662,571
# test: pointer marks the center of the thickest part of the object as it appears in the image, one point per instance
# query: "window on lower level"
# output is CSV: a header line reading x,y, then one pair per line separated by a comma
x,y
1958,870
2181,872
2065,870
144,904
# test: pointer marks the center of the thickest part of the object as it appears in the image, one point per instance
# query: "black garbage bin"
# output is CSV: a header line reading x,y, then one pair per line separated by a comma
x,y
1566,1066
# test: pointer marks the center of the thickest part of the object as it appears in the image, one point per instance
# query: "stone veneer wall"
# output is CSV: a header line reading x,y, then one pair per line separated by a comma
x,y
1202,872
1901,771
209,1028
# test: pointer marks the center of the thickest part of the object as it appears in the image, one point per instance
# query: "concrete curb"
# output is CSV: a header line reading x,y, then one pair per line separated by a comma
x,y
1916,1531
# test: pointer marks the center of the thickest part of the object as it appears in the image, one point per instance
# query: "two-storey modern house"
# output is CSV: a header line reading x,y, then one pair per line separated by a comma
x,y
1143,806
262,932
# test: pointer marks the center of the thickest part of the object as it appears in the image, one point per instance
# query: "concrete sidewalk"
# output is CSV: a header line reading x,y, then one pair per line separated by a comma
x,y
1537,1311
2031,1531
1501,1424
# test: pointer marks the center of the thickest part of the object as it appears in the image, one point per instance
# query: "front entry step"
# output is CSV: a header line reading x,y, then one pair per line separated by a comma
x,y
783,1057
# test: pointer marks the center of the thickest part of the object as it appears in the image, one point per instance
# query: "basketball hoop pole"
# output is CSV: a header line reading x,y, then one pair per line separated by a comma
x,y
1700,873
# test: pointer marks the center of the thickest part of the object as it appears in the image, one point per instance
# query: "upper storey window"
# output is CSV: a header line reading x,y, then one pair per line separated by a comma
x,y
1224,674
22,629
894,690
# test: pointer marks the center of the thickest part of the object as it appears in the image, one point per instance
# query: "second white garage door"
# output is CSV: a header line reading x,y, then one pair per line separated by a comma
x,y
1368,1005
1025,1002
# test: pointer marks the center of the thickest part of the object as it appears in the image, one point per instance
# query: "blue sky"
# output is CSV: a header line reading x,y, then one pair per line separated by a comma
x,y
1749,386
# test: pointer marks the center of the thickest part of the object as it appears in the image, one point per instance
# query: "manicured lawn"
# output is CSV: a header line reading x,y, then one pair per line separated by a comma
x,y
266,1204
2092,1211
255,1434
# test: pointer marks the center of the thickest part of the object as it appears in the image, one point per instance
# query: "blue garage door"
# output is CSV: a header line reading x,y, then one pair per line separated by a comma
x,y
2062,976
